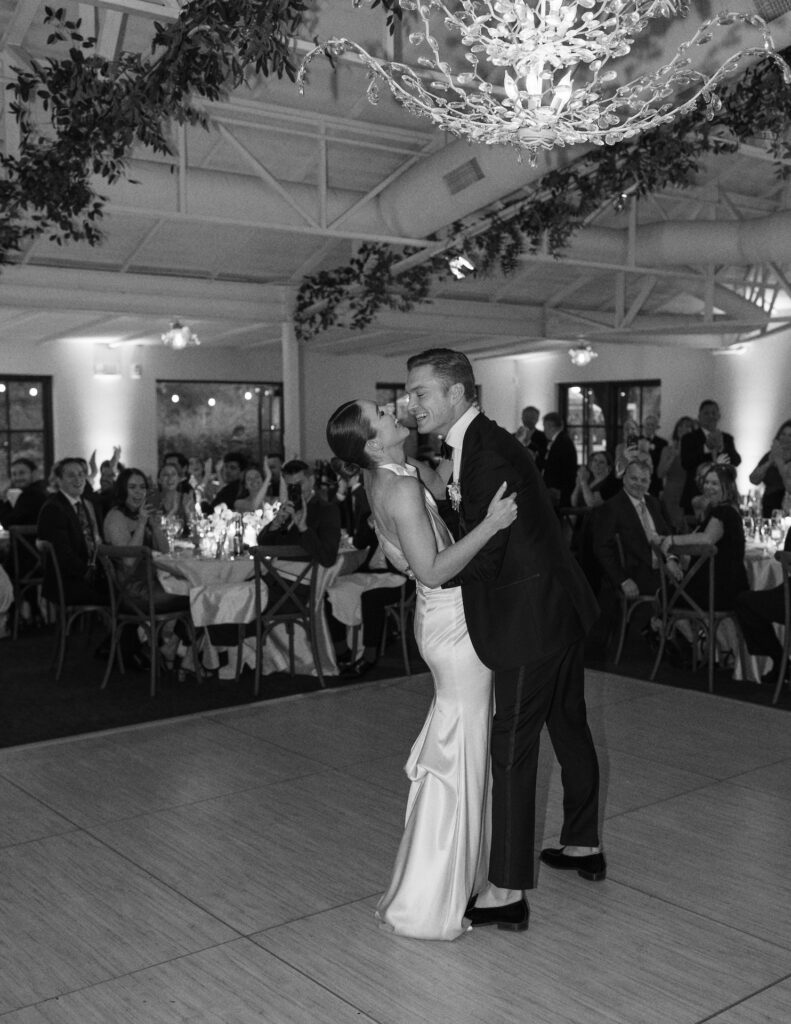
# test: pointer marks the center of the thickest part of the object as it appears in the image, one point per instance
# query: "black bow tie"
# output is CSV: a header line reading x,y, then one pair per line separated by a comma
x,y
446,451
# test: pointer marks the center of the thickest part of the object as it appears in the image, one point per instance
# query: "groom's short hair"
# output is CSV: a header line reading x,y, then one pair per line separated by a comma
x,y
451,367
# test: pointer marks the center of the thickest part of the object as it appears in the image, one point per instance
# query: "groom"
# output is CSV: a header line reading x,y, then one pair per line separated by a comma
x,y
527,607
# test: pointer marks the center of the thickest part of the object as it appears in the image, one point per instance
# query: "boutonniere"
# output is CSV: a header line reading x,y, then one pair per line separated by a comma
x,y
454,493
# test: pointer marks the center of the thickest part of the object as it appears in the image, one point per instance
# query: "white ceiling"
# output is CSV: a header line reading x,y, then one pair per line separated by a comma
x,y
221,234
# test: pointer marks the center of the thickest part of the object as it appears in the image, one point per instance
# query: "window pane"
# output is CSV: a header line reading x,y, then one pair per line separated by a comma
x,y
26,405
205,419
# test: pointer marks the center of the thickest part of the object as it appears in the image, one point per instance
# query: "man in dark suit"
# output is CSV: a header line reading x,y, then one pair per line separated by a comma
x,y
30,495
305,519
68,522
634,516
560,461
527,607
531,437
706,444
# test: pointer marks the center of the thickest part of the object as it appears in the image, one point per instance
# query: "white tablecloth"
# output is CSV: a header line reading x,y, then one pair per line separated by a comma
x,y
221,591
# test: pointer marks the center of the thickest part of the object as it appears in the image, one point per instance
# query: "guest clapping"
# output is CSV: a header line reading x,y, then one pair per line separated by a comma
x,y
774,470
595,482
169,501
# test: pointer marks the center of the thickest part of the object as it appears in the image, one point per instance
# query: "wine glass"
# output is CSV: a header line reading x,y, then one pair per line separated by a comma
x,y
172,526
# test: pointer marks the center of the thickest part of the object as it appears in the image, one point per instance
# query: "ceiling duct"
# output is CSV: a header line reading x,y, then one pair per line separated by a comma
x,y
463,176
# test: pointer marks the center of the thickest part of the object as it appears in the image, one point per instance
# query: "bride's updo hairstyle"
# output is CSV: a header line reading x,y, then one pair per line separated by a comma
x,y
347,432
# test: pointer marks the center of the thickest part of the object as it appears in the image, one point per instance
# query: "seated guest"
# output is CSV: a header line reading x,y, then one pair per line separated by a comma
x,y
171,502
182,464
371,588
756,611
131,522
256,487
707,443
305,519
635,516
721,526
24,496
771,471
560,464
596,482
672,475
68,522
233,467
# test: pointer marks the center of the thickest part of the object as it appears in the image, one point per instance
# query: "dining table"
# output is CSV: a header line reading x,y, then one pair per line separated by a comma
x,y
221,592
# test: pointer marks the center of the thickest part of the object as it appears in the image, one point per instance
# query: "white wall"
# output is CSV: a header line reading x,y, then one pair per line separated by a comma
x,y
92,412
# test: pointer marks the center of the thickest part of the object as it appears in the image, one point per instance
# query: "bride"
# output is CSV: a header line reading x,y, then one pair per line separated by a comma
x,y
443,855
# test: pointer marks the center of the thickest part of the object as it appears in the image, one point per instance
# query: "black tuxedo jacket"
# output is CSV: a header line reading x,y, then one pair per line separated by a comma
x,y
28,505
619,516
524,595
58,523
560,467
321,539
693,454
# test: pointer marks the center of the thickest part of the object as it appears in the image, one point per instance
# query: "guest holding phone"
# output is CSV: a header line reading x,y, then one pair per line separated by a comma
x,y
304,519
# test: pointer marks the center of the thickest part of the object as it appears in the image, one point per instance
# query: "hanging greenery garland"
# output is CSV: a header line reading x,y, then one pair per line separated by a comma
x,y
561,201
99,109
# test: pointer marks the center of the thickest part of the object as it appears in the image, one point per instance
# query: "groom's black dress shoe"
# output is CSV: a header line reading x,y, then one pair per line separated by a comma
x,y
513,917
593,866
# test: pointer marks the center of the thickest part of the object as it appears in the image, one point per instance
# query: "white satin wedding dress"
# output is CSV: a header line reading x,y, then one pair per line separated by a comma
x,y
444,852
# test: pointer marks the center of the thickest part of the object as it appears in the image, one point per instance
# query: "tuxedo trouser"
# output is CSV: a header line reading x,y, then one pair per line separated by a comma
x,y
548,691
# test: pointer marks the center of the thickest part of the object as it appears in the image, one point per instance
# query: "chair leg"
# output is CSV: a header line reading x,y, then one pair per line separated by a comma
x,y
239,651
405,650
781,672
622,633
314,646
114,647
659,653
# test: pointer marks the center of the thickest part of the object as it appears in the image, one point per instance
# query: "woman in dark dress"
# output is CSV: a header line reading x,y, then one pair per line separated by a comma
x,y
721,526
772,469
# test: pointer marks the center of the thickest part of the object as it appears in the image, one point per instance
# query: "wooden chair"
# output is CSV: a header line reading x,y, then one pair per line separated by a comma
x,y
399,613
784,558
628,605
286,604
132,581
65,614
677,604
27,571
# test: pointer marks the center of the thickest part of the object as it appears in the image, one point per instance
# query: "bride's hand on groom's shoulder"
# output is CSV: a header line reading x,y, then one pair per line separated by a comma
x,y
502,508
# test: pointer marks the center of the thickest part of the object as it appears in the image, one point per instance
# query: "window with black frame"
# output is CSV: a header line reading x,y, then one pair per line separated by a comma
x,y
25,422
205,419
595,413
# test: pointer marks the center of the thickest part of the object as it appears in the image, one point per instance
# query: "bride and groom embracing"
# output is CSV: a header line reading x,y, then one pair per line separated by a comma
x,y
501,615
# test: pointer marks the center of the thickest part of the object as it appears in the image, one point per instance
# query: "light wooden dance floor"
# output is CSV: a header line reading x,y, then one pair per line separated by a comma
x,y
223,869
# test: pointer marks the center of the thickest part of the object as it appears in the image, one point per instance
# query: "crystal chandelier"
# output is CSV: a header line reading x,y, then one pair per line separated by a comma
x,y
556,87
582,355
180,336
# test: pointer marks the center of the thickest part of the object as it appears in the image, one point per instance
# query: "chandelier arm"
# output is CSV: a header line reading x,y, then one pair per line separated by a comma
x,y
536,44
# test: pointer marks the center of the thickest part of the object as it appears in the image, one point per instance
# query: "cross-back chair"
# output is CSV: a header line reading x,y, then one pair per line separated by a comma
x,y
131,577
66,614
293,600
27,571
677,603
